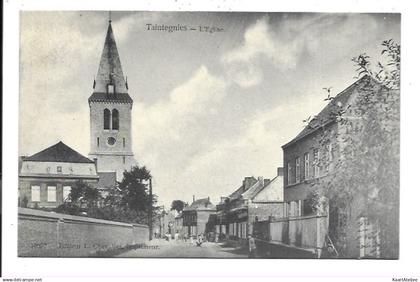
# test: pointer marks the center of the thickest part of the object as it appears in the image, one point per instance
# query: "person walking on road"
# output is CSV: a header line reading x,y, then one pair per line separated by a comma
x,y
252,247
199,240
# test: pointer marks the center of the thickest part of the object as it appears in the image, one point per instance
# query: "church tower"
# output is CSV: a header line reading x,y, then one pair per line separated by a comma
x,y
110,114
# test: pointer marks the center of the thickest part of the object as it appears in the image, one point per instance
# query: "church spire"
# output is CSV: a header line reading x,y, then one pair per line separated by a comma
x,y
110,77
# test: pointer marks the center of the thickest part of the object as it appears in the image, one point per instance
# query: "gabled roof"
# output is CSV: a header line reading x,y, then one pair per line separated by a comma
x,y
328,113
59,152
254,190
110,70
201,204
278,180
237,193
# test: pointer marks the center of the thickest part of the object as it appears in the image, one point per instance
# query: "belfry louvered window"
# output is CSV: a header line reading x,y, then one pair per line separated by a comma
x,y
115,120
107,119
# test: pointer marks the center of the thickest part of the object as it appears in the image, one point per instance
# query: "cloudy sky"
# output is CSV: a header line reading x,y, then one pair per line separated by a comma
x,y
209,108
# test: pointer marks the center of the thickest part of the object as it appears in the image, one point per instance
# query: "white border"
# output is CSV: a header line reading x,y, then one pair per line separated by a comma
x,y
205,269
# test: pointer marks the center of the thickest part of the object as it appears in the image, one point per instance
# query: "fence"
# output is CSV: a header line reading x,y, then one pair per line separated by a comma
x,y
306,232
47,234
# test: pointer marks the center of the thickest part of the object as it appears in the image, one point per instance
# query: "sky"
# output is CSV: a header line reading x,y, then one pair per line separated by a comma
x,y
209,108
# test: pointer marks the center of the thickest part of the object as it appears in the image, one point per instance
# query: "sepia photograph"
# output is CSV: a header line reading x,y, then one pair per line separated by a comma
x,y
240,135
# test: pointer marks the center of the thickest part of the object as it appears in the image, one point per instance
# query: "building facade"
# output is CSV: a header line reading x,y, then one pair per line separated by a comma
x,y
46,178
310,159
196,216
257,199
110,114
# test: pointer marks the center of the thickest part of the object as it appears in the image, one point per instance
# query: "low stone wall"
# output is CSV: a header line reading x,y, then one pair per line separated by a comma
x,y
49,234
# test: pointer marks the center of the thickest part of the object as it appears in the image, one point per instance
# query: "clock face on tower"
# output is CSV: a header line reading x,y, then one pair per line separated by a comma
x,y
111,141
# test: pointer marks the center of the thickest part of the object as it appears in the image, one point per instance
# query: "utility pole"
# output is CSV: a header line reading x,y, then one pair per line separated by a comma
x,y
150,213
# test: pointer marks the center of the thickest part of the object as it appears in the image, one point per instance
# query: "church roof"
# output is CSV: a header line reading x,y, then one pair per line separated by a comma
x,y
59,152
110,70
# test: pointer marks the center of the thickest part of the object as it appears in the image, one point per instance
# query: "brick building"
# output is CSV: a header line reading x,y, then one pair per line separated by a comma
x,y
311,156
46,178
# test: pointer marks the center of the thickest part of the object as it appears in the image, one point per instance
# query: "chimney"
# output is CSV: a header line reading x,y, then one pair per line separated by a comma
x,y
261,180
248,182
193,198
280,171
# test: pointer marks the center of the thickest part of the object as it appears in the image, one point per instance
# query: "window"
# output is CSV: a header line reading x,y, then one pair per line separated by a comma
x,y
289,173
59,169
35,193
111,141
123,159
52,197
297,174
66,192
124,142
97,142
115,119
306,165
316,163
107,119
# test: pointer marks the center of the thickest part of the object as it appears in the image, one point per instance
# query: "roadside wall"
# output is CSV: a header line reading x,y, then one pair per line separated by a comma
x,y
48,234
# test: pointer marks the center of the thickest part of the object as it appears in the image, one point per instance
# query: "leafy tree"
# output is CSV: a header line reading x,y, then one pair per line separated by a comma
x,y
82,197
83,194
178,205
363,179
134,189
130,202
133,199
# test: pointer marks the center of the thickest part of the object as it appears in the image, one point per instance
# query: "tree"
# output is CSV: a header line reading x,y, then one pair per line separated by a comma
x,y
82,197
178,205
363,181
134,189
128,203
133,199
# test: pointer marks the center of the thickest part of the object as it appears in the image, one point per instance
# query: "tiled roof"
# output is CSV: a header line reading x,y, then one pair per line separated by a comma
x,y
328,114
237,193
110,70
104,97
201,204
248,182
254,190
59,152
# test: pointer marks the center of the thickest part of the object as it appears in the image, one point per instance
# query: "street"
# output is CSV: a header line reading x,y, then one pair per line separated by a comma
x,y
181,249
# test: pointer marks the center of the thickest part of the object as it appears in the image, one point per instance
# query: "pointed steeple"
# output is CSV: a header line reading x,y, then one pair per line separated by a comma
x,y
110,70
